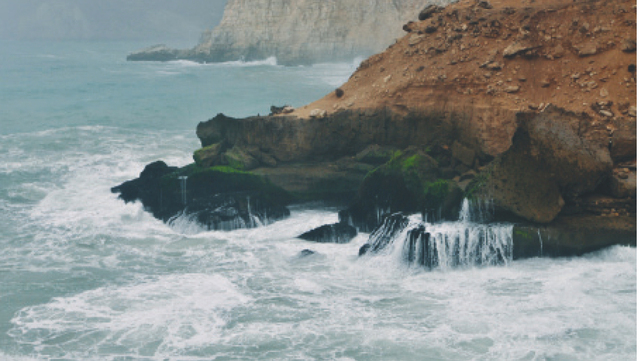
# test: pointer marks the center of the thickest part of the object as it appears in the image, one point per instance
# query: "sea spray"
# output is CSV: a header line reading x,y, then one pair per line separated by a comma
x,y
445,245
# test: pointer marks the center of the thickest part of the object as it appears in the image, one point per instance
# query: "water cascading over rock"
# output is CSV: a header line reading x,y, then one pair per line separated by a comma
x,y
444,245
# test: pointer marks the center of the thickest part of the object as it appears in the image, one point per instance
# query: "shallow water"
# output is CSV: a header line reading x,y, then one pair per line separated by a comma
x,y
84,276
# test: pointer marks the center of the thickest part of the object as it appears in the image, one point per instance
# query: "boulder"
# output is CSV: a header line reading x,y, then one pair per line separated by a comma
x,y
588,50
388,229
306,253
331,233
515,49
428,12
629,45
285,109
318,113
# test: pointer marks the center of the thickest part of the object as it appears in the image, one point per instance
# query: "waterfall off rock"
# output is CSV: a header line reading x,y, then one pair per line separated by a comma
x,y
183,188
464,243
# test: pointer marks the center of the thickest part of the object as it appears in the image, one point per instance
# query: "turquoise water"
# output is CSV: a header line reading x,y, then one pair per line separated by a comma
x,y
85,277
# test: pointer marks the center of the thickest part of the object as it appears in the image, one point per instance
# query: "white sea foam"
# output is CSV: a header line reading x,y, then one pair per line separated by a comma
x,y
84,276
271,61
161,315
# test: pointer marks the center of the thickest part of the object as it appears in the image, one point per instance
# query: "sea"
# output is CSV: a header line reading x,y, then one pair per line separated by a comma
x,y
84,276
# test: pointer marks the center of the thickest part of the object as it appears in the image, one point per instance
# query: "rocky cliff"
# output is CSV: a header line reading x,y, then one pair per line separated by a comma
x,y
298,31
530,109
532,106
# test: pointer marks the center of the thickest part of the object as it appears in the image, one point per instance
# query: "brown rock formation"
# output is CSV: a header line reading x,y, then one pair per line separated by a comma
x,y
532,105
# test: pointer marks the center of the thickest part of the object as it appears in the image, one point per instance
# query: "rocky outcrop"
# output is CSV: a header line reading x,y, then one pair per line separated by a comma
x,y
218,198
470,244
330,233
555,157
159,52
299,31
573,236
532,107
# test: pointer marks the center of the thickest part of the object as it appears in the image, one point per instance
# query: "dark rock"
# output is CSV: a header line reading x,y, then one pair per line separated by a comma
x,y
146,186
339,93
447,173
428,12
430,29
391,226
216,198
285,109
572,236
484,4
364,249
461,169
306,253
331,233
155,53
409,182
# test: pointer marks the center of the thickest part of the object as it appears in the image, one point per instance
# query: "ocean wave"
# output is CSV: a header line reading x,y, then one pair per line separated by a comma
x,y
172,313
271,61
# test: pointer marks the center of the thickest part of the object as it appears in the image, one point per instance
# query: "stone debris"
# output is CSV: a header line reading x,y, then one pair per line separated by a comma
x,y
428,12
512,89
629,45
318,113
588,50
415,39
515,49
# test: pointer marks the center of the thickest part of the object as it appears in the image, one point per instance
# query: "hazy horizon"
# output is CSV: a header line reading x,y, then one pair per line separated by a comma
x,y
167,21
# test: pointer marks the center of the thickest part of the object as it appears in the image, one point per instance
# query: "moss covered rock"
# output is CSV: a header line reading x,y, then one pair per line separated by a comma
x,y
208,156
409,182
219,197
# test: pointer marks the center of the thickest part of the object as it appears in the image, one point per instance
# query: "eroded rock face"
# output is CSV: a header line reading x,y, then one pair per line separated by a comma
x,y
572,236
301,31
344,133
554,159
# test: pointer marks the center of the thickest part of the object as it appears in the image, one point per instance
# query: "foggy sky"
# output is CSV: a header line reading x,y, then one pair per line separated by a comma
x,y
167,21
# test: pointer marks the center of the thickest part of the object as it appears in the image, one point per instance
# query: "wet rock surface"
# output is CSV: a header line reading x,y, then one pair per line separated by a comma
x,y
331,233
214,198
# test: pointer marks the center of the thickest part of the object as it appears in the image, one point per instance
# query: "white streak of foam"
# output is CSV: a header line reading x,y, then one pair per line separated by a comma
x,y
175,311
